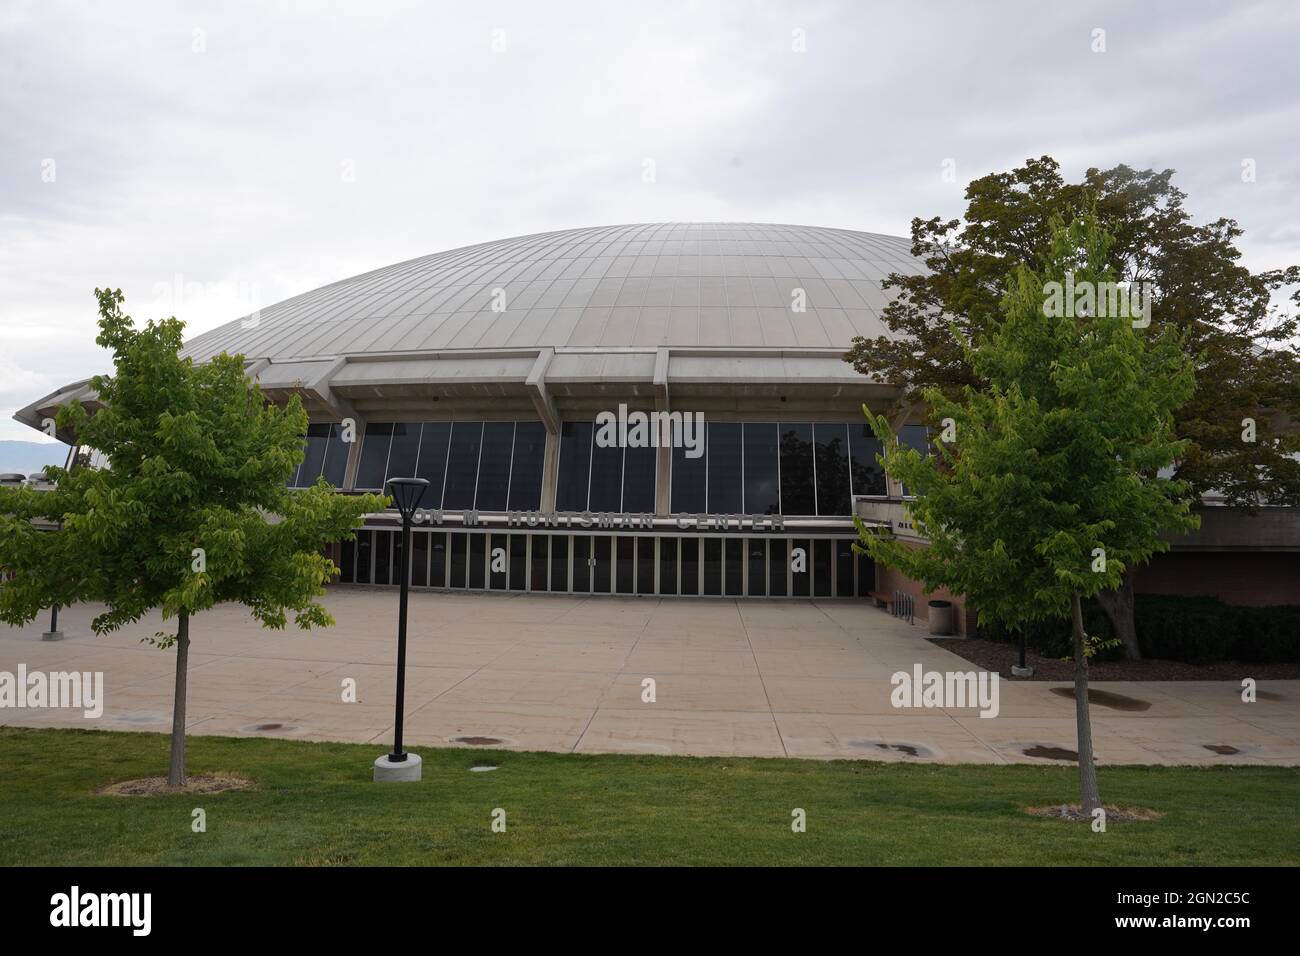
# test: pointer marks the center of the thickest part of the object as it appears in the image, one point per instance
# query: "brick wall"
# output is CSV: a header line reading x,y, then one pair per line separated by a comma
x,y
888,580
1252,578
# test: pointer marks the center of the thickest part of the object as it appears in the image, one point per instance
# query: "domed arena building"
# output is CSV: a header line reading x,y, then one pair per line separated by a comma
x,y
656,409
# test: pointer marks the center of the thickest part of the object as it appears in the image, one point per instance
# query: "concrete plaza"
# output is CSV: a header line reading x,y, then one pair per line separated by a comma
x,y
797,678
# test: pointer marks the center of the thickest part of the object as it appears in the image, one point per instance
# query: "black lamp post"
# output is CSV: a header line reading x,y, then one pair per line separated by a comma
x,y
407,494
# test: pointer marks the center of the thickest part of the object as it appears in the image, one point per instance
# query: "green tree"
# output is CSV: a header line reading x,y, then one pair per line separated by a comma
x,y
1048,494
1245,350
192,511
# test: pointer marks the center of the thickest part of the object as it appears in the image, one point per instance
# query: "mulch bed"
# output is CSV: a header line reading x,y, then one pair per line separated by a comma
x,y
997,656
158,786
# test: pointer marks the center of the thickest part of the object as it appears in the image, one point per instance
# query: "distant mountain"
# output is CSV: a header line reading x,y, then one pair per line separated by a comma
x,y
29,457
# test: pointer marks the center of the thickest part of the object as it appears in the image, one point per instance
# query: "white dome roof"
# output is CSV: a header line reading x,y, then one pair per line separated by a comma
x,y
611,287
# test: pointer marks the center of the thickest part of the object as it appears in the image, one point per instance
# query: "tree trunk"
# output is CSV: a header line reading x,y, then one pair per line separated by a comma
x,y
1118,605
1090,798
176,769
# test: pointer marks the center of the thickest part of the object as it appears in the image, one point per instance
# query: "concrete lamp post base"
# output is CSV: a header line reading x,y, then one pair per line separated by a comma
x,y
52,636
388,771
1018,671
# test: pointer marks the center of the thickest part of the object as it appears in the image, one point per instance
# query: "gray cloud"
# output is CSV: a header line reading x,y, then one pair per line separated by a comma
x,y
207,183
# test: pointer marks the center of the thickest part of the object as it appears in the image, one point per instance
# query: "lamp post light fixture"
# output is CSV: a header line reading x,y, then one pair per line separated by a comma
x,y
407,493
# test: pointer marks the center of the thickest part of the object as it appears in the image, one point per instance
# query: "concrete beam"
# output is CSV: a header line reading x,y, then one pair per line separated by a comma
x,y
542,400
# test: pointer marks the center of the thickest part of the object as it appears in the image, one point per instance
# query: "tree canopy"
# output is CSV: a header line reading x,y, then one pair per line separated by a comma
x,y
1244,348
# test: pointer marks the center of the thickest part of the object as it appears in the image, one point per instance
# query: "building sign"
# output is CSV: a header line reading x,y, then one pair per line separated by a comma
x,y
604,520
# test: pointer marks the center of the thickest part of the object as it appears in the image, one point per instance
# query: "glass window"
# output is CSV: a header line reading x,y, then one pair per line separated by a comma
x,y
690,565
822,557
667,565
757,552
581,563
420,559
538,564
602,548
438,559
518,562
712,566
383,553
313,454
374,456
526,470
498,561
459,547
559,562
868,476
797,485
843,567
575,467
688,487
625,549
462,467
494,466
778,566
432,466
477,560
606,478
762,475
735,568
365,551
645,564
832,469
348,561
801,566
726,490
336,457
403,452
639,480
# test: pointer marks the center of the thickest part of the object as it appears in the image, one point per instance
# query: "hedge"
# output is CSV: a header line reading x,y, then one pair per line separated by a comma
x,y
1197,630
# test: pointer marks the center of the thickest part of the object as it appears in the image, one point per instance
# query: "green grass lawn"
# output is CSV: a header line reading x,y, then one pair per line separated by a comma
x,y
315,804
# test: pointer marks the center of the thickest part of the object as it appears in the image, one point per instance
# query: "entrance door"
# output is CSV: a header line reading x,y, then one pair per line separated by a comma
x,y
602,547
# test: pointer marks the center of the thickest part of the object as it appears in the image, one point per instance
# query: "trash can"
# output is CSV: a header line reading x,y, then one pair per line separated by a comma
x,y
940,617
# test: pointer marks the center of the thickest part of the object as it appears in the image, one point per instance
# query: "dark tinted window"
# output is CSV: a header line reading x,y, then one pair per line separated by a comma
x,y
404,451
336,457
374,455
762,478
797,490
526,471
832,469
639,480
314,454
726,492
868,476
575,466
432,466
606,477
494,466
462,467
688,488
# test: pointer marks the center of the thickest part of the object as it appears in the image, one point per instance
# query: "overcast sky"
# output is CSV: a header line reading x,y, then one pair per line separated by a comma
x,y
211,159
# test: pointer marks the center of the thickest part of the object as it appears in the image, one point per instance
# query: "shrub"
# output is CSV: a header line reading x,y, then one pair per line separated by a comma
x,y
1195,630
